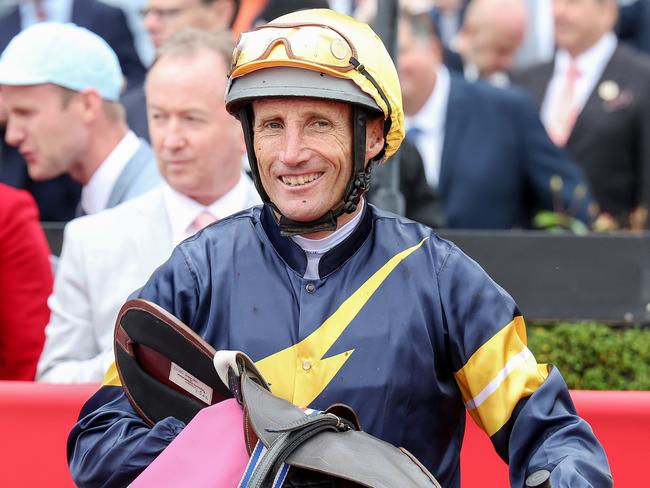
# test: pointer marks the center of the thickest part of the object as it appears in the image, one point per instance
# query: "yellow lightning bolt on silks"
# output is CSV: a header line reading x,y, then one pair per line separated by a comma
x,y
111,377
299,373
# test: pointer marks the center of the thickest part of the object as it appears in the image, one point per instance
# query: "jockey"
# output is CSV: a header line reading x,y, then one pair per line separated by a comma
x,y
337,301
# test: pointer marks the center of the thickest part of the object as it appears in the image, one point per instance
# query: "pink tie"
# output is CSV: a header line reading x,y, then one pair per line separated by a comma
x,y
202,220
565,113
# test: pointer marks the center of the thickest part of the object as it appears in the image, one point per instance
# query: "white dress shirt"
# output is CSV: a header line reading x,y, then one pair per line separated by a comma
x,y
430,121
182,210
315,248
95,193
591,65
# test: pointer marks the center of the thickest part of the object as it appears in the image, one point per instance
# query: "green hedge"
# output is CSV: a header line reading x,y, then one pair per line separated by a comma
x,y
594,356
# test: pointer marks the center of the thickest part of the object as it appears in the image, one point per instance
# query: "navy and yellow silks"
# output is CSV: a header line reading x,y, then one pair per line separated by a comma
x,y
499,374
401,326
306,384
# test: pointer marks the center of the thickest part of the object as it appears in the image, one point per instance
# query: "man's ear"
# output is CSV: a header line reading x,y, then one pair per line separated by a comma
x,y
91,105
374,137
241,142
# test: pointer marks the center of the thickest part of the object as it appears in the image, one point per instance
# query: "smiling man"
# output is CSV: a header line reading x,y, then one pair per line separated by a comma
x,y
304,154
337,301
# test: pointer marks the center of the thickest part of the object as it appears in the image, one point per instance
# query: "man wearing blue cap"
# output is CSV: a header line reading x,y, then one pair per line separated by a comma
x,y
60,86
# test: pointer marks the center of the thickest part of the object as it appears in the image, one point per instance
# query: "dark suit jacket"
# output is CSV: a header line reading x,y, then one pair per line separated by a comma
x,y
497,161
135,104
610,139
453,61
634,25
420,200
104,20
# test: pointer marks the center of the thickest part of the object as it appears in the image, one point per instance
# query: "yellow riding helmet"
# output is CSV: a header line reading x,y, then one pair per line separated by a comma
x,y
331,50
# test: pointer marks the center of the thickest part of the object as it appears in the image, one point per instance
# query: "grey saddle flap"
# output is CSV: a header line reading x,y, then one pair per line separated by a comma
x,y
351,455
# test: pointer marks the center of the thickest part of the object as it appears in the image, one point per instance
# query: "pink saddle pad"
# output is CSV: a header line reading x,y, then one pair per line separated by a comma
x,y
209,452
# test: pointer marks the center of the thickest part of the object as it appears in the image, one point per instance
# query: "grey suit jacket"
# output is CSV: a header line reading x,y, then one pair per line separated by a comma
x,y
611,137
138,176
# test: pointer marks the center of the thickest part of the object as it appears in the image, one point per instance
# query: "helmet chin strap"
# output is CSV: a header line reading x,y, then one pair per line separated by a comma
x,y
357,185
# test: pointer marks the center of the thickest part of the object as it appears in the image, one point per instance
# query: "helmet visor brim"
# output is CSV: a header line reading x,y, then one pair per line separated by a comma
x,y
295,82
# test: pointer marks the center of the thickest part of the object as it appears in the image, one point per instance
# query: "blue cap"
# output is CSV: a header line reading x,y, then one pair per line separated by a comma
x,y
65,55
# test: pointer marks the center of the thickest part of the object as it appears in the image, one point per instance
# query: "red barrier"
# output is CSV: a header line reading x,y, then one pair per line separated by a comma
x,y
620,420
35,420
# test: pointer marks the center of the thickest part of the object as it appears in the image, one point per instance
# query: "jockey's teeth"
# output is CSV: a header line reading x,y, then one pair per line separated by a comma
x,y
300,179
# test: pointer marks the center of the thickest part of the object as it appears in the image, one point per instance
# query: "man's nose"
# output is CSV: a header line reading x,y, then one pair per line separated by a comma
x,y
294,149
14,135
173,137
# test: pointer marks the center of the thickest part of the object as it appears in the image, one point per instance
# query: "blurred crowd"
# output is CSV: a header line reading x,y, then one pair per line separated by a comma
x,y
520,114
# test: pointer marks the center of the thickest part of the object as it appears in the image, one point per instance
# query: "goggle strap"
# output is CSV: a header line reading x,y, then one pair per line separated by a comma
x,y
389,122
360,177
246,119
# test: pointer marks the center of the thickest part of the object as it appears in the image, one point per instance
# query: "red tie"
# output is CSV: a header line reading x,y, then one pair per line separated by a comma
x,y
39,8
202,220
565,112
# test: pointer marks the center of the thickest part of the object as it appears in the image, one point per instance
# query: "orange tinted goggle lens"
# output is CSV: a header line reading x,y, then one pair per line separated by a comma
x,y
313,44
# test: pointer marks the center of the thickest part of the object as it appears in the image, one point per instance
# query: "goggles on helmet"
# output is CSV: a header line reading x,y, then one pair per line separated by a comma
x,y
312,46
315,46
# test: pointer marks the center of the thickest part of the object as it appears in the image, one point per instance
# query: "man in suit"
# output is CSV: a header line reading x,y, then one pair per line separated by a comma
x,y
104,20
484,148
162,18
60,86
108,255
595,101
25,283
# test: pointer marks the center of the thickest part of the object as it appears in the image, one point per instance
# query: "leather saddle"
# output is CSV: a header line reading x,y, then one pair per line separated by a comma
x,y
166,370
